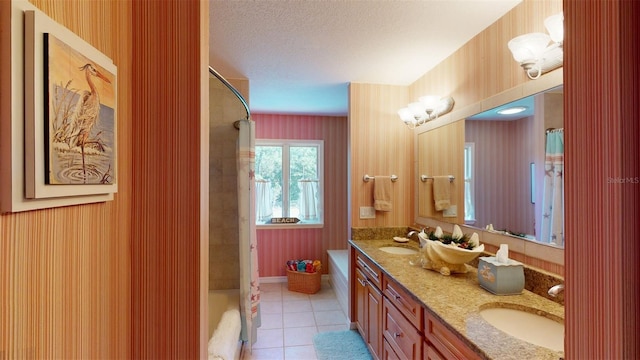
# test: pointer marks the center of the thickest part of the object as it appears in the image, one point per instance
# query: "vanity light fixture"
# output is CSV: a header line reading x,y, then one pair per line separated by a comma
x,y
425,109
512,110
533,51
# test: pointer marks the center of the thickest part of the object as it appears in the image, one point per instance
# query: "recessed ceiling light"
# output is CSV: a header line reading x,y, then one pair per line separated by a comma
x,y
512,110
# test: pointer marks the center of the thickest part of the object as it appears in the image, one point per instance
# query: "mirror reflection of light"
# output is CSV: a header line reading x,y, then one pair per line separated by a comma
x,y
512,110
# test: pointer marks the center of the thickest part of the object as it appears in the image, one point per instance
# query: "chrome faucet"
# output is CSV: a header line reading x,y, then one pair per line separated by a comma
x,y
555,290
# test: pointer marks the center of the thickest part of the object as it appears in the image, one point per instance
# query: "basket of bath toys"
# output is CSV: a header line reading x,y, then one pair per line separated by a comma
x,y
304,276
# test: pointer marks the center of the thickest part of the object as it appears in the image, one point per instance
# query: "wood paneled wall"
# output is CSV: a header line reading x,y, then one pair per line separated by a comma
x,y
65,285
276,246
380,144
602,174
168,91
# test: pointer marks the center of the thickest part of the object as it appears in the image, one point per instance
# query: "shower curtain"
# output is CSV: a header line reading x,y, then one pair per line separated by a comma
x,y
553,196
249,285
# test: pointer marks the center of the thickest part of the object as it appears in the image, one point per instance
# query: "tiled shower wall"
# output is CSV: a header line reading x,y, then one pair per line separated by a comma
x,y
225,108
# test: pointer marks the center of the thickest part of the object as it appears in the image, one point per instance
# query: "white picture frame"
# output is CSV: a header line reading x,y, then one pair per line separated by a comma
x,y
21,136
39,97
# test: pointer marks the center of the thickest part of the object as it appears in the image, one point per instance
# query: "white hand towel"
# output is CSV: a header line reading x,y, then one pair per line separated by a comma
x,y
441,192
382,193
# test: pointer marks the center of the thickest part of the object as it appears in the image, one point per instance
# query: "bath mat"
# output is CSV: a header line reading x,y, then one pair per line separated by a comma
x,y
338,345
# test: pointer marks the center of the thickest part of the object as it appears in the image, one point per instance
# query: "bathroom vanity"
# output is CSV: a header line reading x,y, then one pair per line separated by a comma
x,y
404,311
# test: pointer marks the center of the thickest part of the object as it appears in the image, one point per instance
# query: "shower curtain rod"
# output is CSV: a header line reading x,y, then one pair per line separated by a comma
x,y
234,91
550,130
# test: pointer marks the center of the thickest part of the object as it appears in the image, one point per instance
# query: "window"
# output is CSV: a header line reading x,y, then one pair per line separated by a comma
x,y
469,200
289,181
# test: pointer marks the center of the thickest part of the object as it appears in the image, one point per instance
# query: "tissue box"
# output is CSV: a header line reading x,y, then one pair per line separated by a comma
x,y
500,278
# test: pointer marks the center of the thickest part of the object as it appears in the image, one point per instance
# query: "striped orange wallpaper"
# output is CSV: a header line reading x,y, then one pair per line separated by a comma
x,y
484,67
167,89
276,246
602,174
65,285
380,144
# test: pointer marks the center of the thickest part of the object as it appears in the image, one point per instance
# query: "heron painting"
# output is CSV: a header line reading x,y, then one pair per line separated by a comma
x,y
81,117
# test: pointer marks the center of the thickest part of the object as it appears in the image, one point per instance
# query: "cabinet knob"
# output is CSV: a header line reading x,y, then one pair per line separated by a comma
x,y
397,334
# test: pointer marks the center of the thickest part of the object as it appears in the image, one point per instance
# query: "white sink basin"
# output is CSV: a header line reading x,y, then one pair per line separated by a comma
x,y
398,250
527,326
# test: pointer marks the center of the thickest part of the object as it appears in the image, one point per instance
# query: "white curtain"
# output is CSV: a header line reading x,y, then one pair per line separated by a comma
x,y
553,197
308,199
264,206
249,283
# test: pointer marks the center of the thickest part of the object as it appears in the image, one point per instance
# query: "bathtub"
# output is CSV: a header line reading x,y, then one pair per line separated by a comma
x,y
339,276
221,301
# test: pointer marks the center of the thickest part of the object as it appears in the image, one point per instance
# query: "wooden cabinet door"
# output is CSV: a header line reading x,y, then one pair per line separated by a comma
x,y
387,351
360,287
404,339
446,341
374,322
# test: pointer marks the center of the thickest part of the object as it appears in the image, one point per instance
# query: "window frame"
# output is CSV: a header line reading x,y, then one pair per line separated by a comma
x,y
471,180
286,144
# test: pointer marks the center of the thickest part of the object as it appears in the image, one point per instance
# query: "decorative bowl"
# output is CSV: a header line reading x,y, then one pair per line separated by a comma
x,y
448,259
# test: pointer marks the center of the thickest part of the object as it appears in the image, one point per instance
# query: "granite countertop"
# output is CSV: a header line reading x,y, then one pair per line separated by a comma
x,y
457,299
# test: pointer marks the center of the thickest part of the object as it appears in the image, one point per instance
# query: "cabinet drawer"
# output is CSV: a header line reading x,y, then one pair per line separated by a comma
x,y
445,341
403,338
373,272
430,353
407,305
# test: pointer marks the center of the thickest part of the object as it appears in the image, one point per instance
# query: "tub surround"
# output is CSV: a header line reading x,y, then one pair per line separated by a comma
x,y
339,276
456,300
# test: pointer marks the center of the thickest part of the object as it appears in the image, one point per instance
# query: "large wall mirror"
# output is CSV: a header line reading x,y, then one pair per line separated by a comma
x,y
514,163
508,168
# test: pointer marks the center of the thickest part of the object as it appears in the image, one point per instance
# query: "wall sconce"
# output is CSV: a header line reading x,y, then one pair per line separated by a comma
x,y
425,109
533,52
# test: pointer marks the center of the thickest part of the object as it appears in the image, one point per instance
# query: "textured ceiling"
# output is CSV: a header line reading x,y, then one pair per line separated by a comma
x,y
299,56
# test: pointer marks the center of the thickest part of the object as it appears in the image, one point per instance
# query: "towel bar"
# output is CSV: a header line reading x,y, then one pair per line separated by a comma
x,y
368,178
424,178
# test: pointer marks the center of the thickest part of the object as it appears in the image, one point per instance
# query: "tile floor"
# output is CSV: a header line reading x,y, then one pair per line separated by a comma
x,y
291,319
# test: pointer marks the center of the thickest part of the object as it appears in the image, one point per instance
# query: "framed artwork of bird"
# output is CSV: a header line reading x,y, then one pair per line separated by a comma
x,y
59,136
70,113
81,117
